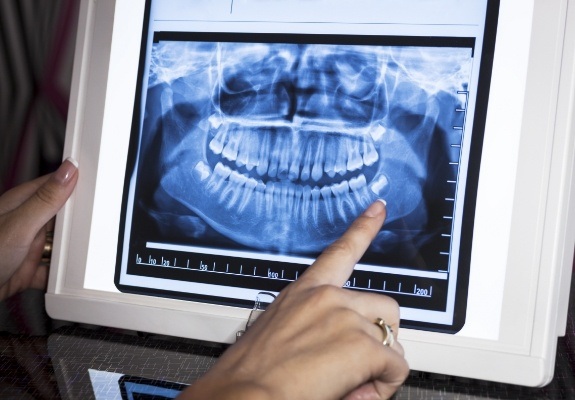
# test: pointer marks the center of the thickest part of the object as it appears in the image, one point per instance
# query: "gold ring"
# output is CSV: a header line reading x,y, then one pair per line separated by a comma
x,y
47,252
388,338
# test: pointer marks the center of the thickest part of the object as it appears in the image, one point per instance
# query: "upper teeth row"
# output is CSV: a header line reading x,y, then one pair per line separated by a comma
x,y
281,154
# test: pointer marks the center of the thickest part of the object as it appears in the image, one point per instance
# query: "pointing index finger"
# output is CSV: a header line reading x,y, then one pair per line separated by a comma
x,y
336,263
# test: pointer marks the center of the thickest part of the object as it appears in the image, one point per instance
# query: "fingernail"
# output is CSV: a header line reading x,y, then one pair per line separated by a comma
x,y
376,208
66,171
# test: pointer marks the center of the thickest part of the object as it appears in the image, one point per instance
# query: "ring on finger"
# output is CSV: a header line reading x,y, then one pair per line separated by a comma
x,y
388,338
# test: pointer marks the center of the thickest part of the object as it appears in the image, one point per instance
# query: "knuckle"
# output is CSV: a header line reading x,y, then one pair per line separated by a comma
x,y
45,195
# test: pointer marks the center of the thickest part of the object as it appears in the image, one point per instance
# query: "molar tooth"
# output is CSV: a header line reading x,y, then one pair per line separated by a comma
x,y
378,185
218,142
342,198
215,121
326,194
264,152
370,155
275,155
248,193
376,131
231,148
233,188
354,160
358,186
317,170
217,179
201,171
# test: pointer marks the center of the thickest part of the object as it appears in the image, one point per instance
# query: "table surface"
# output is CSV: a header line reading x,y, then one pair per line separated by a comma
x,y
73,361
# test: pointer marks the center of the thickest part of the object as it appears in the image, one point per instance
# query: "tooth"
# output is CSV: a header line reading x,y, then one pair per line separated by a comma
x,y
216,180
354,160
305,202
233,188
270,188
260,197
358,187
248,192
379,184
283,167
297,200
218,142
231,148
264,151
315,195
327,201
342,198
377,131
215,121
331,148
275,156
201,171
294,168
305,169
370,155
317,170
340,166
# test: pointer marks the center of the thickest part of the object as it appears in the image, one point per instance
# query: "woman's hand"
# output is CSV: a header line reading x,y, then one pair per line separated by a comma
x,y
26,214
316,340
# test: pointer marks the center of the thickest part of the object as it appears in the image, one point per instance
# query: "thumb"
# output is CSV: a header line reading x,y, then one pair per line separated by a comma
x,y
46,201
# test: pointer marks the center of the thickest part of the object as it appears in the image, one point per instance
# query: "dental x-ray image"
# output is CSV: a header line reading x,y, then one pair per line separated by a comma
x,y
278,146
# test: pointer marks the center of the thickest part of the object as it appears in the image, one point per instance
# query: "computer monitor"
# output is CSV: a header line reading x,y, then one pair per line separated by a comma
x,y
222,145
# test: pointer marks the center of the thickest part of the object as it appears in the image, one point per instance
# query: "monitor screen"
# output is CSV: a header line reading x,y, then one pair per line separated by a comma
x,y
253,146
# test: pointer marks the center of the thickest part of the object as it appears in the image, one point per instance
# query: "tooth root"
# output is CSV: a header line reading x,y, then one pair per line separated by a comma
x,y
244,150
262,167
379,184
230,150
358,187
217,179
326,194
315,196
201,171
343,200
354,160
248,193
317,170
275,156
370,155
219,141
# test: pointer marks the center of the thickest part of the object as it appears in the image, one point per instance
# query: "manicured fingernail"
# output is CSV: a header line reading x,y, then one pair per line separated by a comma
x,y
66,171
376,208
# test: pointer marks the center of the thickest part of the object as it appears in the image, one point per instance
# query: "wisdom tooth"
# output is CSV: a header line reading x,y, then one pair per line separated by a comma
x,y
377,131
201,171
379,184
